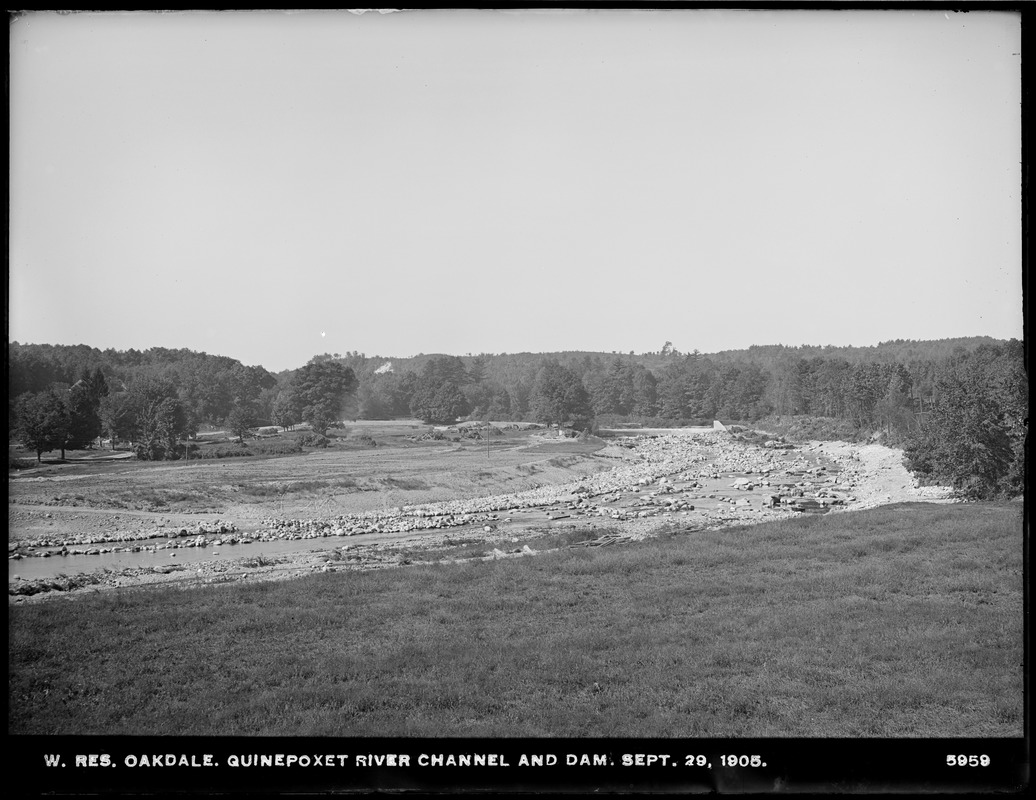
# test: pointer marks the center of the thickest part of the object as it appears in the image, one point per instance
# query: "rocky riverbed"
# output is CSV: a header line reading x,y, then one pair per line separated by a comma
x,y
694,480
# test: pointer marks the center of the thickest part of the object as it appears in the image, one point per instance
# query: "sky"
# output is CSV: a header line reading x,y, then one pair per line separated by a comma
x,y
273,185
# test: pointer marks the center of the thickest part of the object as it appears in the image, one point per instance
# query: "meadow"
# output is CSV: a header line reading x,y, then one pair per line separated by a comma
x,y
369,466
898,621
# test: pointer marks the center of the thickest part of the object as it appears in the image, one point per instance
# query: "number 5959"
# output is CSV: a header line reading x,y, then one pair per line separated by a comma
x,y
967,761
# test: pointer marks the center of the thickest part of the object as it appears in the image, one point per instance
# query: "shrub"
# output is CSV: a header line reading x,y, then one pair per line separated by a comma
x,y
633,421
276,448
258,561
19,463
223,450
312,440
802,428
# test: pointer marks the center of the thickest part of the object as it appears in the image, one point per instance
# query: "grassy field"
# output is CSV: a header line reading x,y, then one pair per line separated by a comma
x,y
349,476
901,621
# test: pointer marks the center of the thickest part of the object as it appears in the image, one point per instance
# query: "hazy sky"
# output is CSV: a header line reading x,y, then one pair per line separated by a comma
x,y
272,185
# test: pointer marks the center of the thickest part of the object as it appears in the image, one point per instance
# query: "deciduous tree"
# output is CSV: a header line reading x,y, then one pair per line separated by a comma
x,y
324,391
42,421
439,403
84,421
160,419
240,420
558,396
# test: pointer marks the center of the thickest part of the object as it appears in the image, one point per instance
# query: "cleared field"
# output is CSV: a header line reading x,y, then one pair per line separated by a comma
x,y
348,477
85,526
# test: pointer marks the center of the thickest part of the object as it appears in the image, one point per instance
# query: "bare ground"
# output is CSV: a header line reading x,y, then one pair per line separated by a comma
x,y
543,476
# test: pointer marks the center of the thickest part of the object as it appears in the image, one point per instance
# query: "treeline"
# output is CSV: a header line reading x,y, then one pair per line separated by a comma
x,y
974,433
206,386
67,398
958,407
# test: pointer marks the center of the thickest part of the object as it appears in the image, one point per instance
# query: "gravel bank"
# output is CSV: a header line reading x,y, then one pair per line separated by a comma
x,y
694,479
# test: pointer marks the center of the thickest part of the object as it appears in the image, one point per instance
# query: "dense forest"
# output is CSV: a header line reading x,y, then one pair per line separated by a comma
x,y
958,407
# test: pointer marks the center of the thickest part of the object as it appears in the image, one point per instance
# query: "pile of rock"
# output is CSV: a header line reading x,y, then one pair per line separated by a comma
x,y
91,545
431,436
19,586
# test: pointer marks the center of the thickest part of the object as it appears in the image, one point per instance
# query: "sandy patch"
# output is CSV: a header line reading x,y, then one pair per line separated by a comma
x,y
879,475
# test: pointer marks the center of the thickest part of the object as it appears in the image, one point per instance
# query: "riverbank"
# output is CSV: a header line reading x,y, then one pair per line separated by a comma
x,y
697,480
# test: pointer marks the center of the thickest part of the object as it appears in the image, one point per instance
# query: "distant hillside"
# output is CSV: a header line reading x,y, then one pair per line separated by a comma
x,y
33,366
897,350
901,350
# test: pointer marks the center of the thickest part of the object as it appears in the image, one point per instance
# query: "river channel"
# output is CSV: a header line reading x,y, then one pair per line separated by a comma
x,y
55,565
711,496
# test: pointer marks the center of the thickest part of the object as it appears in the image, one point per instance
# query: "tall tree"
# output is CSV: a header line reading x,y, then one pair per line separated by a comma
x,y
84,421
558,396
99,385
286,411
442,403
160,419
893,409
645,393
324,392
117,418
404,393
42,421
671,392
240,420
519,392
477,369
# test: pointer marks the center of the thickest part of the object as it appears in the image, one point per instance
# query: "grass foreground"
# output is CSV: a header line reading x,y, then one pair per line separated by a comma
x,y
900,621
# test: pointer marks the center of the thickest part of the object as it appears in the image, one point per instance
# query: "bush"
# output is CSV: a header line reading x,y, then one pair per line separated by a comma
x,y
822,429
632,421
20,463
157,450
221,450
276,448
312,440
258,561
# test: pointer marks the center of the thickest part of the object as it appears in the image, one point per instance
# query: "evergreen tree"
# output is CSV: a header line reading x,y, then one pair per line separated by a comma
x,y
671,392
973,435
645,393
